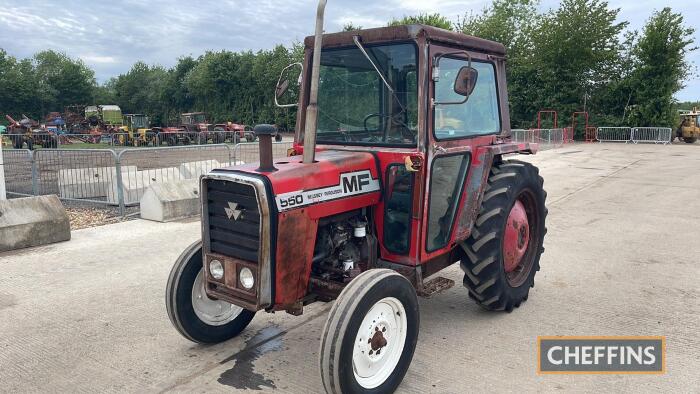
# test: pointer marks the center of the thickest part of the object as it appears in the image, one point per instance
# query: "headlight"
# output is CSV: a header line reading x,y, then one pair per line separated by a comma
x,y
216,269
245,276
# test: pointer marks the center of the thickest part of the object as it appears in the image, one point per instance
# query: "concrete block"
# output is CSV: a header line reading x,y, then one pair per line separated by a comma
x,y
164,202
32,221
134,183
196,168
2,176
93,182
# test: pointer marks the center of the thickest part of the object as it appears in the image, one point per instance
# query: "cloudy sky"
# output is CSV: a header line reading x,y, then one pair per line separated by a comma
x,y
111,35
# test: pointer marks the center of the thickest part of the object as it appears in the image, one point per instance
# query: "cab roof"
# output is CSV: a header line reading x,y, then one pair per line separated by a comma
x,y
410,32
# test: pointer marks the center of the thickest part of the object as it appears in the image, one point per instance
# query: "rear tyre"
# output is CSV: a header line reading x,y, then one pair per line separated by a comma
x,y
690,140
502,255
278,137
250,137
194,315
370,335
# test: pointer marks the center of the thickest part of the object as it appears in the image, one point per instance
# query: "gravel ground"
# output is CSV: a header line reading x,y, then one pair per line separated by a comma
x,y
82,216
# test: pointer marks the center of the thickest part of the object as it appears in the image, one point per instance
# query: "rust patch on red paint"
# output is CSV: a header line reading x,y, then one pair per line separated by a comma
x,y
295,246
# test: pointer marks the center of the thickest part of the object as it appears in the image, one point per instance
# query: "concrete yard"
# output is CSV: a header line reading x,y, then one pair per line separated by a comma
x,y
622,258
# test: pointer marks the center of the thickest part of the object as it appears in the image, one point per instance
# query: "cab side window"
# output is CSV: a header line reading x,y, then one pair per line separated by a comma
x,y
479,115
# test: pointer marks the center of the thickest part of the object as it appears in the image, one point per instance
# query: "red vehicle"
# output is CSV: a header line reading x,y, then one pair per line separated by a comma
x,y
398,171
30,132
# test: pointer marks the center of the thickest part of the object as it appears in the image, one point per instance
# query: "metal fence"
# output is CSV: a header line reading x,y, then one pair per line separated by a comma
x,y
147,139
117,178
248,152
546,138
614,134
656,135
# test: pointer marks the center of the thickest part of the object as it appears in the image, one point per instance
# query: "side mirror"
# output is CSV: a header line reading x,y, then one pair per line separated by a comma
x,y
283,83
466,81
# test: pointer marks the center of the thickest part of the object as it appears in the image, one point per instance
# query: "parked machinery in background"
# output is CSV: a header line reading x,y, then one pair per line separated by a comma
x,y
187,132
135,131
28,131
102,119
689,129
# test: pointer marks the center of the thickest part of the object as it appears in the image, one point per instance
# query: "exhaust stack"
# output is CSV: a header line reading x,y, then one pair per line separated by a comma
x,y
265,132
312,108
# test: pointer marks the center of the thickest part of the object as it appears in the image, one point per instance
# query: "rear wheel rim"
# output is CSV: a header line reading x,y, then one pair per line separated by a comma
x,y
520,239
379,343
211,312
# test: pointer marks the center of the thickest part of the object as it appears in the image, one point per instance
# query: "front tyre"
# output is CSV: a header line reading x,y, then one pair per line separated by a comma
x,y
502,255
194,315
370,335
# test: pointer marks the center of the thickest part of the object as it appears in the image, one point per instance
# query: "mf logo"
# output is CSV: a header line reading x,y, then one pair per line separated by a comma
x,y
355,182
232,211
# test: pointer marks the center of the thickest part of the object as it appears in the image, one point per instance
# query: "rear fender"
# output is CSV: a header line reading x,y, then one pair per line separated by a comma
x,y
477,179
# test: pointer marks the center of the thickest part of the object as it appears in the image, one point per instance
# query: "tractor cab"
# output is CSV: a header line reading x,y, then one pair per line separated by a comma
x,y
136,121
426,103
194,121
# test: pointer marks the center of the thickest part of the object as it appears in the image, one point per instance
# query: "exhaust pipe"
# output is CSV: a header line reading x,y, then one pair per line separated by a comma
x,y
312,108
264,132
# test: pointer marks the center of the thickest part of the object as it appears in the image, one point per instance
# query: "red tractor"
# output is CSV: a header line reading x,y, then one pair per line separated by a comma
x,y
398,170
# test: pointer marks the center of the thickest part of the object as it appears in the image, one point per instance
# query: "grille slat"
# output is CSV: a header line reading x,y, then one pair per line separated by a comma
x,y
235,238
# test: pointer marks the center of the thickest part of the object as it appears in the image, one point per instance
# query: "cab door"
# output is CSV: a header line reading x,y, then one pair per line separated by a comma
x,y
458,125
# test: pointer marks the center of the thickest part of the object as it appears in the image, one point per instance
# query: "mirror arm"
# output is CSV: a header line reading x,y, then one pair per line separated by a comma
x,y
280,80
436,76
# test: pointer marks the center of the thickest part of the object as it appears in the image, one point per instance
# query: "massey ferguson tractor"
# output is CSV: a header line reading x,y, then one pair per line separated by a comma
x,y
399,169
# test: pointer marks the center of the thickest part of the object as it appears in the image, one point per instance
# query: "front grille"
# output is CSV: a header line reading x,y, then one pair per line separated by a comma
x,y
239,238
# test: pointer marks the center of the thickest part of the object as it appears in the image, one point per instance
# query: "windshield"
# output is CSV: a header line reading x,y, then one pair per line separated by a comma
x,y
140,121
355,107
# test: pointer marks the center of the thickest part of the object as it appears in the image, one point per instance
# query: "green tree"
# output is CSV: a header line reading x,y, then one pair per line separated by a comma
x,y
510,22
434,19
139,90
661,68
18,88
576,52
62,81
351,27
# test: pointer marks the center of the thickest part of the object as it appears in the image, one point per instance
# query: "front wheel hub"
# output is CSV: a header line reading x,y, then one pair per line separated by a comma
x,y
516,238
379,342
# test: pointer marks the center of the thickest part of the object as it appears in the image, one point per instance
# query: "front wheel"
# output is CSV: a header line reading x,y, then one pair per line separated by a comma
x,y
194,315
502,255
690,140
370,335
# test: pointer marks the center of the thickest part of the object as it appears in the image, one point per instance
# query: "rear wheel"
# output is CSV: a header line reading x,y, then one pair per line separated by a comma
x,y
690,140
278,137
250,137
370,335
194,315
501,257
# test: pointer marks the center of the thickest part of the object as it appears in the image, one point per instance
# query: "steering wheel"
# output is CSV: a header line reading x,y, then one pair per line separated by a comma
x,y
405,130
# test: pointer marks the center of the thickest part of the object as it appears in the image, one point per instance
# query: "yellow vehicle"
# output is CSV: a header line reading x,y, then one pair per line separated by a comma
x,y
135,131
689,130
